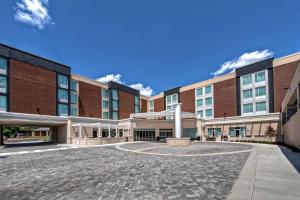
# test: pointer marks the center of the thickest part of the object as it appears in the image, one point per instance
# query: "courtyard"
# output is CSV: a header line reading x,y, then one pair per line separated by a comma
x,y
146,170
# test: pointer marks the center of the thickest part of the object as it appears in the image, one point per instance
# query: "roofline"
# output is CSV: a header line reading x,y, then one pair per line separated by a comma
x,y
88,80
34,55
286,59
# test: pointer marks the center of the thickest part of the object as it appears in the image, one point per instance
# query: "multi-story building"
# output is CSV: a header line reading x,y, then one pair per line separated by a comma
x,y
239,105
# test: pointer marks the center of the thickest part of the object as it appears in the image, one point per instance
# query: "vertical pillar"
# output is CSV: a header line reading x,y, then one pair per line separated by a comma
x,y
80,131
109,130
99,130
69,129
178,121
1,135
117,131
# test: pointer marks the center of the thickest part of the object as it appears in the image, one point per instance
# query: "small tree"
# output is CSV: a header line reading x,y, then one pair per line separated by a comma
x,y
270,132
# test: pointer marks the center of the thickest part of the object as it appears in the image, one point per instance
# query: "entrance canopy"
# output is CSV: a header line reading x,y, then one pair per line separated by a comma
x,y
159,115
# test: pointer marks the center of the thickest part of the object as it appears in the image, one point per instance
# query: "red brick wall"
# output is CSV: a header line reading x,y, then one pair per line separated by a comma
x,y
187,98
282,75
159,104
31,88
126,105
90,100
225,98
143,105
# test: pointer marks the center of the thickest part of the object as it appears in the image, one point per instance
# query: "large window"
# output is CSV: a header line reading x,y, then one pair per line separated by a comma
x,y
63,95
63,110
74,110
171,101
63,81
105,103
3,84
151,106
115,104
3,66
136,104
74,85
74,97
3,103
254,95
204,102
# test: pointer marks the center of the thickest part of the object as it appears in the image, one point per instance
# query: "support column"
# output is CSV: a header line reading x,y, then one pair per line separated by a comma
x,y
99,130
69,129
109,130
80,131
178,121
1,135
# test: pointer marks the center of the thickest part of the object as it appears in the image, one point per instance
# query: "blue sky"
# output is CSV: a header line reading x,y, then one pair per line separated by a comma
x,y
158,43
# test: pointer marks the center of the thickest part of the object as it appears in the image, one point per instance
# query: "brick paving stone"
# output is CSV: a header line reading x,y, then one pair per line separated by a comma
x,y
109,173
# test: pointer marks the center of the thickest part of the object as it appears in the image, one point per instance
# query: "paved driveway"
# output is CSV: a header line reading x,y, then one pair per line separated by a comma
x,y
111,173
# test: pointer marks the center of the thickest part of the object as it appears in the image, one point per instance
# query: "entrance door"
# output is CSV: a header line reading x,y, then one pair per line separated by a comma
x,y
237,132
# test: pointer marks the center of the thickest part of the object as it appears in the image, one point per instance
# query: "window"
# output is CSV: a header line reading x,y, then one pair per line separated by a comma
x,y
208,101
63,81
169,100
3,84
3,66
105,115
208,89
248,108
261,106
74,110
63,110
199,102
115,115
3,103
104,93
260,76
105,104
136,104
260,91
63,95
247,79
115,105
172,100
214,132
247,94
74,85
151,106
115,95
73,97
208,113
199,92
200,113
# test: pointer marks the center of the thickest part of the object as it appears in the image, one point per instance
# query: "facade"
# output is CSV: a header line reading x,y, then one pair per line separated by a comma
x,y
238,106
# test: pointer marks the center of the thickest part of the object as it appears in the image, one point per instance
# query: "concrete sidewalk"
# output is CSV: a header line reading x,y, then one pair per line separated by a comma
x,y
269,173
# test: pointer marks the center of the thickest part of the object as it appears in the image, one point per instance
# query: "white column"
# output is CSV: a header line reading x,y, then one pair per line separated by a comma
x,y
178,121
109,130
80,131
99,130
117,131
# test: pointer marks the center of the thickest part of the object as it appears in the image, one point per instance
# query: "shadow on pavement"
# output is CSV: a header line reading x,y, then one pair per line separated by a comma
x,y
28,144
292,156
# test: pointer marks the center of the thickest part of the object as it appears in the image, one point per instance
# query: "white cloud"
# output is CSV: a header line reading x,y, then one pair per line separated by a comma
x,y
146,91
33,12
110,77
243,60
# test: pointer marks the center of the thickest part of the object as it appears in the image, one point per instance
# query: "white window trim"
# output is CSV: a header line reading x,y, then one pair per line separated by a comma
x,y
205,107
255,98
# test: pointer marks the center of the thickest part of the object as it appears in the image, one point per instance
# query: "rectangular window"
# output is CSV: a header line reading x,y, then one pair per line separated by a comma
x,y
136,109
74,110
63,81
247,94
115,105
247,79
261,106
200,113
105,104
63,95
105,115
3,103
136,100
260,91
115,115
208,89
3,66
208,101
248,108
74,85
104,93
151,106
208,113
260,76
73,97
3,84
199,92
199,102
63,110
115,95
169,100
174,99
